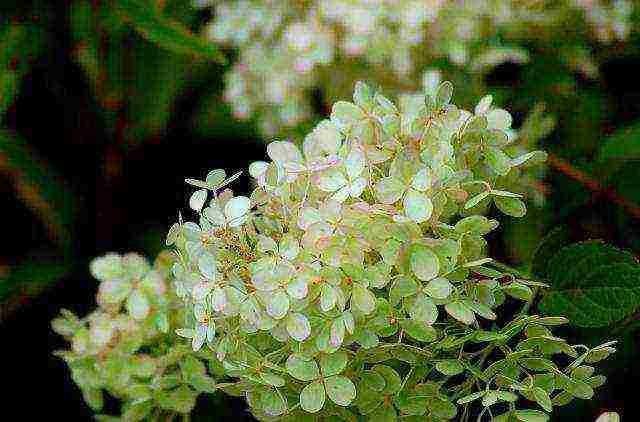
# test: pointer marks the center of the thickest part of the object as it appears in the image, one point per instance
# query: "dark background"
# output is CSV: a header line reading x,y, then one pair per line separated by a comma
x,y
123,185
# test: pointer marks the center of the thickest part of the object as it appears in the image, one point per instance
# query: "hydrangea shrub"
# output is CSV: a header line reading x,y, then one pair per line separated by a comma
x,y
353,283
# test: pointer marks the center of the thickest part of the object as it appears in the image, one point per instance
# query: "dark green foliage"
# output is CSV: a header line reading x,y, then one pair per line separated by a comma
x,y
592,284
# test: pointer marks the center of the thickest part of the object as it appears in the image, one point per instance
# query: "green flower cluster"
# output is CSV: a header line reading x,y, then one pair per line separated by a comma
x,y
127,348
354,281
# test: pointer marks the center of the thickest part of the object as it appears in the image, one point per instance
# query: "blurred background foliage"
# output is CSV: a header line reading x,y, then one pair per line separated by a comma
x,y
105,107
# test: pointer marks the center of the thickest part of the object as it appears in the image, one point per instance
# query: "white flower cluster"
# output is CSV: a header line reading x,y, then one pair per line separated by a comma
x,y
288,48
367,236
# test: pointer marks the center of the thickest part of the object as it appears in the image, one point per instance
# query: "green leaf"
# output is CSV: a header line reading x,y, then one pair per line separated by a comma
x,y
461,312
302,368
8,89
170,35
623,145
39,186
449,367
531,416
543,399
511,206
137,411
550,244
273,403
471,397
518,290
31,277
475,200
424,262
312,397
573,263
419,330
340,390
393,382
499,162
333,364
182,399
372,380
578,388
608,294
403,287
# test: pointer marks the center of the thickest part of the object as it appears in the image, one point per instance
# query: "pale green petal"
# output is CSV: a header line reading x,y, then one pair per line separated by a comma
x,y
214,214
298,326
307,217
266,244
333,363
283,152
216,177
332,180
237,210
138,305
197,200
484,104
439,288
424,262
327,136
357,187
337,333
389,190
257,169
417,206
278,305
312,397
302,368
422,180
328,297
208,266
354,163
298,288
363,299
345,114
289,247
199,337
424,310
498,119
342,194
185,332
340,390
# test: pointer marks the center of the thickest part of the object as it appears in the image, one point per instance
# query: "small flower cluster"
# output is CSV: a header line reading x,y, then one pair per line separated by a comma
x,y
354,283
397,43
127,349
